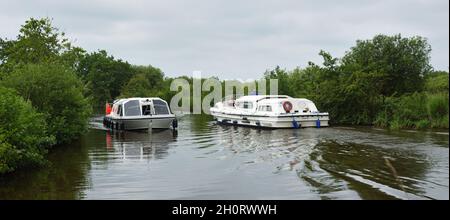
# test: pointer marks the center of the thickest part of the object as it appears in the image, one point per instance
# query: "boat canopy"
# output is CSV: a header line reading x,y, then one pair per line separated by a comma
x,y
269,103
133,107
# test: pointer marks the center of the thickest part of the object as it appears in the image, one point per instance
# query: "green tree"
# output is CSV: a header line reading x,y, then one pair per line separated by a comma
x,y
104,75
397,64
283,80
138,86
54,90
353,89
38,41
154,75
304,82
147,81
23,133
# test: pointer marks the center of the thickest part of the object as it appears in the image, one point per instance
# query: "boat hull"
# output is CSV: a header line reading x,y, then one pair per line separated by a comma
x,y
138,123
301,121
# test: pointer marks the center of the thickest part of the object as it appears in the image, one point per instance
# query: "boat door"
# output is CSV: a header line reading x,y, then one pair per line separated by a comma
x,y
147,108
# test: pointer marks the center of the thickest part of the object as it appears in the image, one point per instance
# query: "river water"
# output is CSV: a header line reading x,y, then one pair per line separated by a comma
x,y
208,161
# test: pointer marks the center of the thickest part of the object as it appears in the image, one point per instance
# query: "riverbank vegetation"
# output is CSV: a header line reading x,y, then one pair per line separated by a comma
x,y
386,81
44,103
50,87
23,133
55,91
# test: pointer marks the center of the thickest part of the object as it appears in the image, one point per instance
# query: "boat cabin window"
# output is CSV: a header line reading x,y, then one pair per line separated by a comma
x,y
132,108
160,107
265,108
245,105
146,110
119,110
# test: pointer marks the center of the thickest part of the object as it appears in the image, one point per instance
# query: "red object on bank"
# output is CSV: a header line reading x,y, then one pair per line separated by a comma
x,y
108,109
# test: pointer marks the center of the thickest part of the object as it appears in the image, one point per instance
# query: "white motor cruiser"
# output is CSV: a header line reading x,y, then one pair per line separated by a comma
x,y
138,114
269,111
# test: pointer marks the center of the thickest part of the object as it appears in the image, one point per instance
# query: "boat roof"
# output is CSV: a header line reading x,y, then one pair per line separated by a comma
x,y
261,97
270,99
136,98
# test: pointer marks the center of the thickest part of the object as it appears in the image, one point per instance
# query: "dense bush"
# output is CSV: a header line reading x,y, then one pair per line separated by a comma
x,y
55,91
437,107
418,110
437,82
404,111
44,104
23,133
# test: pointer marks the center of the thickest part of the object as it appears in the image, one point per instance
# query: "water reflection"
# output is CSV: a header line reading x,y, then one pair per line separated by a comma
x,y
198,123
336,161
65,177
334,167
140,144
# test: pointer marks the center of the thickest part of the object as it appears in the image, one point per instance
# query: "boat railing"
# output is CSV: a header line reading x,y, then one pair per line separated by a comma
x,y
232,97
230,100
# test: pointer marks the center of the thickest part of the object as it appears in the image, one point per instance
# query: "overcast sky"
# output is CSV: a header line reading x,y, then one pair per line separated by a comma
x,y
233,39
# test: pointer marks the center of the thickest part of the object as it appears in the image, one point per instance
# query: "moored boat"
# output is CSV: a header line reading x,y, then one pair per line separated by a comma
x,y
138,114
270,111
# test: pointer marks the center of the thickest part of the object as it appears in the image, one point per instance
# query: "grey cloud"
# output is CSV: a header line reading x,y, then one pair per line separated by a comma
x,y
233,39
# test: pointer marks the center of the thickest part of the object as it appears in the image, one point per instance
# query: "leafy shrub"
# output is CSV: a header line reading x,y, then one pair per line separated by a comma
x,y
440,123
437,82
382,119
417,110
437,106
395,125
412,108
23,133
55,91
423,124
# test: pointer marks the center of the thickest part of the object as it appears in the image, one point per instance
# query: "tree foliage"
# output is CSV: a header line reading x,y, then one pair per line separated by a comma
x,y
283,80
23,133
437,82
54,90
38,42
104,75
397,64
39,66
147,81
385,81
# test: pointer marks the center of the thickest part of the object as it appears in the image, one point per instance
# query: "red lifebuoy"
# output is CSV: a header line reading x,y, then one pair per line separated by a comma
x,y
287,106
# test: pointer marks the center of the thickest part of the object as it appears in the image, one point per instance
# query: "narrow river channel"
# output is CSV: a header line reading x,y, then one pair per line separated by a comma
x,y
208,161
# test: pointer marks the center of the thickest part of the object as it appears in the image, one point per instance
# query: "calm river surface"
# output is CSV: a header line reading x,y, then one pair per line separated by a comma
x,y
208,161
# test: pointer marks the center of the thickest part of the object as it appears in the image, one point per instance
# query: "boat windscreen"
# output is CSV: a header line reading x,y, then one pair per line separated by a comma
x,y
132,108
160,107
